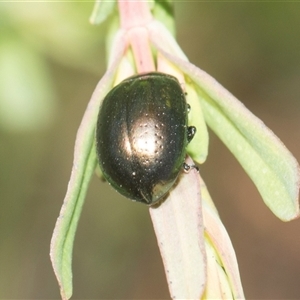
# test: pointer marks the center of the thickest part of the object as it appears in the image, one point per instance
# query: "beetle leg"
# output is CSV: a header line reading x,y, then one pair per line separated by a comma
x,y
188,107
191,131
187,168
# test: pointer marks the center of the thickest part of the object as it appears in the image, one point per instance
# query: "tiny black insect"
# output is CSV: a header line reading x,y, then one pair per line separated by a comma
x,y
141,135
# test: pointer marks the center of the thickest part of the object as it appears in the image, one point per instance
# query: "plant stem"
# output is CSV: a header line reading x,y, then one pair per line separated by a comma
x,y
134,15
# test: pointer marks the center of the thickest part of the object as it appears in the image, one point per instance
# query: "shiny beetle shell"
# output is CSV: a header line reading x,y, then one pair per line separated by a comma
x,y
141,136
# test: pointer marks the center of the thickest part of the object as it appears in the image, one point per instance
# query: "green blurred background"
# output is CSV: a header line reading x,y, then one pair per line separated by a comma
x,y
50,61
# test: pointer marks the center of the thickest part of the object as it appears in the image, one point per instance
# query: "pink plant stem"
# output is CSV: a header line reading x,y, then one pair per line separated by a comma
x,y
141,49
134,13
134,16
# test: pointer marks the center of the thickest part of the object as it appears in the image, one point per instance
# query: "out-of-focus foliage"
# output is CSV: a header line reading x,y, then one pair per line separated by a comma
x,y
32,35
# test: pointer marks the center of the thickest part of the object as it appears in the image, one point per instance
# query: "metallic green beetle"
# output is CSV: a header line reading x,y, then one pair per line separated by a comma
x,y
141,136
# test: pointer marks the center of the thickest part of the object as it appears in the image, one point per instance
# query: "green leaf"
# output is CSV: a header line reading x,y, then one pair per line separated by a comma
x,y
66,225
198,148
83,168
264,157
102,9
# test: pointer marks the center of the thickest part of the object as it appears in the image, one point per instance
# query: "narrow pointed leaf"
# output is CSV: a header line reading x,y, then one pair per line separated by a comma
x,y
218,286
179,230
83,167
66,225
264,157
219,238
